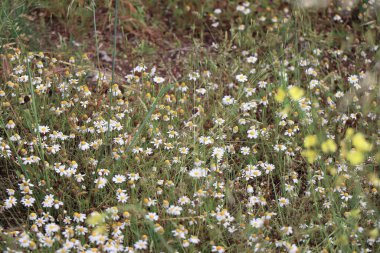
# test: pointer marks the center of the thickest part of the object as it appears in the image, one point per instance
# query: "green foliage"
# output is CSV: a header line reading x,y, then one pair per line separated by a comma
x,y
210,126
13,23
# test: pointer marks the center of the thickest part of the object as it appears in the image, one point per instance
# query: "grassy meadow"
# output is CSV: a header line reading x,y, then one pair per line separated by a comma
x,y
189,126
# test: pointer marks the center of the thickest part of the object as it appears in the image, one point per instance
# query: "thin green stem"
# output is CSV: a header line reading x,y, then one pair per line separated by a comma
x,y
113,75
96,41
36,124
148,116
